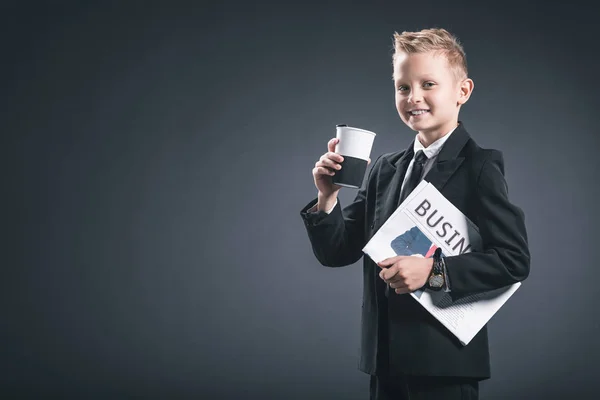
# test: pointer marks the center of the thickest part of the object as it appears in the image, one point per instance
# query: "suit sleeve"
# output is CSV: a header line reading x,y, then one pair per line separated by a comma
x,y
504,258
338,238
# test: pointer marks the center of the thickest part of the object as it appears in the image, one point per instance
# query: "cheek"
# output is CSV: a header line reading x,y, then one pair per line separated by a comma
x,y
400,107
442,100
400,103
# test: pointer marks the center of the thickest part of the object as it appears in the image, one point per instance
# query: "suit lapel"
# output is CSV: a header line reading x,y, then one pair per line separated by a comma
x,y
448,159
389,183
442,171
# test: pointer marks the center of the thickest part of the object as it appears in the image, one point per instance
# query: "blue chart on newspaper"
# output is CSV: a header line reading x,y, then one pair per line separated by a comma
x,y
425,221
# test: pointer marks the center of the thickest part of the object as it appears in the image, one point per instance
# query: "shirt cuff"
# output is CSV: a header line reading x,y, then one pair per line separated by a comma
x,y
314,208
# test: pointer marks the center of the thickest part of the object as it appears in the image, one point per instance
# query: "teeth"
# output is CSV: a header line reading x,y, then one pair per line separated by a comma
x,y
418,112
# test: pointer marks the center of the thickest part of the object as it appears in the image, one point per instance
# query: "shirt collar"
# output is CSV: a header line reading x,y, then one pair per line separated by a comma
x,y
434,148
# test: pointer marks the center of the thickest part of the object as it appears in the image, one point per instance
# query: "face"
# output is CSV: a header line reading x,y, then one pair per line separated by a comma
x,y
428,94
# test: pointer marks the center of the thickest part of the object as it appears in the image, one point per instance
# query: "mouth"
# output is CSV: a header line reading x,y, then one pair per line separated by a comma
x,y
418,112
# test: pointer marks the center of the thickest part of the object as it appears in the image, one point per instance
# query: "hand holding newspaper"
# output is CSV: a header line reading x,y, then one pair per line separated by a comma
x,y
427,220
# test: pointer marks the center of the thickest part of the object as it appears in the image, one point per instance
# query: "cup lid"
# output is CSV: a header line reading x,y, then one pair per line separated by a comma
x,y
356,129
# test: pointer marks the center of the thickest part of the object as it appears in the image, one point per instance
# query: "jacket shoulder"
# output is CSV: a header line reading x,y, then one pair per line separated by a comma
x,y
478,156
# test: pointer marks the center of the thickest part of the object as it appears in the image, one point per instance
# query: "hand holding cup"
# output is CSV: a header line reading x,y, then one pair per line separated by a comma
x,y
350,149
325,169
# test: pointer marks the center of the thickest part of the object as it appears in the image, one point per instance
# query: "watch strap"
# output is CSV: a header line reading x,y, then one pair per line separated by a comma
x,y
437,269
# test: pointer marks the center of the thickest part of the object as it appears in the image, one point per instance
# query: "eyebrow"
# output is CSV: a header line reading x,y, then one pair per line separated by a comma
x,y
424,77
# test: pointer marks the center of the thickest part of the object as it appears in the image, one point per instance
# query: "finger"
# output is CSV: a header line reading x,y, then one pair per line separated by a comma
x,y
403,290
383,263
330,160
387,262
323,171
390,261
331,156
388,273
320,164
397,278
398,284
368,161
331,144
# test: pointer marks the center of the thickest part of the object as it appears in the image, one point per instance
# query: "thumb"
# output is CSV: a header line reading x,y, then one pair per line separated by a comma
x,y
386,263
331,144
368,161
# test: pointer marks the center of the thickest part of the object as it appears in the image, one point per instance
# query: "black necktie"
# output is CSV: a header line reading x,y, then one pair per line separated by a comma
x,y
415,175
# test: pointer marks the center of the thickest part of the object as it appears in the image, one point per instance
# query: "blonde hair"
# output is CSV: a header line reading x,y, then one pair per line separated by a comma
x,y
436,40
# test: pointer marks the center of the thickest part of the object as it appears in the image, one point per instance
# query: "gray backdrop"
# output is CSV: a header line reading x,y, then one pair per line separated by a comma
x,y
156,158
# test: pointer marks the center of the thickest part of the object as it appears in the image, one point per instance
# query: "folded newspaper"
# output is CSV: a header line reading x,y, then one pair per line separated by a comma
x,y
423,222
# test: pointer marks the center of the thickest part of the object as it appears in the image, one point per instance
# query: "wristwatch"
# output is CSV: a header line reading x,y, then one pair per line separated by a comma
x,y
437,278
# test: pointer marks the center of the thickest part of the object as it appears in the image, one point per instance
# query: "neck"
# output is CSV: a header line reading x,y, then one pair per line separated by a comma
x,y
428,137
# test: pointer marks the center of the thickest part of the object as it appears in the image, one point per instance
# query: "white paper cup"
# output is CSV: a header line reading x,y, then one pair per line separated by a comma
x,y
355,146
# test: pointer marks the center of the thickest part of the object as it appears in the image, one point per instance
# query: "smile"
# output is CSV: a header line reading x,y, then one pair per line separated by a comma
x,y
418,112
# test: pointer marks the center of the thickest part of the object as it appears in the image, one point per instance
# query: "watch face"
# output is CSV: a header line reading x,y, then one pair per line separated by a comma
x,y
436,281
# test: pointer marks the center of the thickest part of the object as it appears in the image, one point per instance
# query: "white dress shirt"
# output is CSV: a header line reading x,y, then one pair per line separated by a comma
x,y
430,151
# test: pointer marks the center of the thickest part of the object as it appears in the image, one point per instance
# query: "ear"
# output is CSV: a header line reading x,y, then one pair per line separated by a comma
x,y
465,90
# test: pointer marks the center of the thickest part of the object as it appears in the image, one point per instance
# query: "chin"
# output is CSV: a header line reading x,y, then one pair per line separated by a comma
x,y
410,124
420,126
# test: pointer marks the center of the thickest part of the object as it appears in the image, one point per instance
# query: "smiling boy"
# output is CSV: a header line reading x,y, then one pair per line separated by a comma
x,y
407,352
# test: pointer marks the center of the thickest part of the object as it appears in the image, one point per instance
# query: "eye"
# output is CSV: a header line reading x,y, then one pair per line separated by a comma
x,y
428,85
402,88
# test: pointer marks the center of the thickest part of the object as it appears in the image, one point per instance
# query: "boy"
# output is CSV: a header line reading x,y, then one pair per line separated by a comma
x,y
406,351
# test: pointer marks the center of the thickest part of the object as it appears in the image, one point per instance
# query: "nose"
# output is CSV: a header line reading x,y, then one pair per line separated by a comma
x,y
415,96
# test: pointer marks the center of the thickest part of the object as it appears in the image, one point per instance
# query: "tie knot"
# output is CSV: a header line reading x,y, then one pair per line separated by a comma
x,y
420,157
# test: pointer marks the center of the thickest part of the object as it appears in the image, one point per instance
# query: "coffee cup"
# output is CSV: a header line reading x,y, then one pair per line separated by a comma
x,y
355,146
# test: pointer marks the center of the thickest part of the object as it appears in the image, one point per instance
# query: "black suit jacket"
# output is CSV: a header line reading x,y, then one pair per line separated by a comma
x,y
398,335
